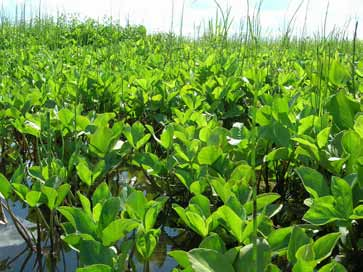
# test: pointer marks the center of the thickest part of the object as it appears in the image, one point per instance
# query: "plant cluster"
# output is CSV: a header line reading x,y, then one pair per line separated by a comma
x,y
252,146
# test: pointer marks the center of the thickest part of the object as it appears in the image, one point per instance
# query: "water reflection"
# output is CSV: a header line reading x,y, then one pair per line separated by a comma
x,y
14,255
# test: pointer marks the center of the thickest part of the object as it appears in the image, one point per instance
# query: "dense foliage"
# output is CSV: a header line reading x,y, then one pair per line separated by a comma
x,y
252,146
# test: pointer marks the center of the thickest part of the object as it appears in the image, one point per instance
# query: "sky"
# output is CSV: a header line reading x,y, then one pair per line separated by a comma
x,y
157,15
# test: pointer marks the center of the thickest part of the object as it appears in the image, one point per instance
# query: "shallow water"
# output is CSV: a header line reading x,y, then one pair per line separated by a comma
x,y
14,255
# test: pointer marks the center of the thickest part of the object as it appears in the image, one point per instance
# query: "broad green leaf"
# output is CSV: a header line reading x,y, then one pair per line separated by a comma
x,y
246,260
150,162
351,143
152,213
357,213
278,154
358,125
62,192
117,229
213,241
32,198
333,267
100,141
279,238
298,238
93,252
101,194
197,223
343,196
136,205
181,257
322,211
343,109
262,200
86,204
21,190
166,138
323,137
306,253
80,220
324,246
208,260
312,149
203,203
232,221
95,268
109,213
84,173
51,195
313,181
74,239
5,186
146,243
339,73
305,256
209,154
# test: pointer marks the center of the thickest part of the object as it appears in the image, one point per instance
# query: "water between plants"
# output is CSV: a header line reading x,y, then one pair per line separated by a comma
x,y
15,256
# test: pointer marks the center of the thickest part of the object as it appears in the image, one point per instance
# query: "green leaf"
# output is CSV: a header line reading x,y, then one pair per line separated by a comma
x,y
93,252
208,260
339,74
117,229
333,267
343,109
146,243
80,220
357,213
101,194
5,186
136,205
213,241
298,238
203,203
21,190
279,238
84,173
100,141
358,125
86,204
149,162
324,246
305,256
62,193
278,154
32,198
313,181
323,137
312,149
280,135
110,210
135,135
166,138
209,154
343,196
51,195
181,257
232,221
262,200
197,223
246,260
322,211
95,268
351,143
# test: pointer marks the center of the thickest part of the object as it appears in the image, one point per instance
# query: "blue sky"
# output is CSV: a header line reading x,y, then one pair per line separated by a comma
x,y
156,14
